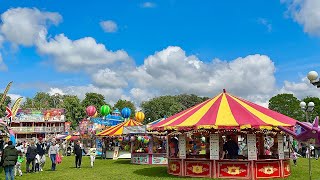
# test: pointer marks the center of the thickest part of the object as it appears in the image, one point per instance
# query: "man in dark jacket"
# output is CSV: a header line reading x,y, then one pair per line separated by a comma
x,y
41,150
31,155
9,159
78,154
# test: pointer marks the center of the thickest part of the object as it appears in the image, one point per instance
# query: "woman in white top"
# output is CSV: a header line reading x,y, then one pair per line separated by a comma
x,y
53,151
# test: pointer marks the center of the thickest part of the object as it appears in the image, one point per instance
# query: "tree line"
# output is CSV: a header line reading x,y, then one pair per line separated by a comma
x,y
156,108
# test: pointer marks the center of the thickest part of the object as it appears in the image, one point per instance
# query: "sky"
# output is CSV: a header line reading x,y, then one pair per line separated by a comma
x,y
137,50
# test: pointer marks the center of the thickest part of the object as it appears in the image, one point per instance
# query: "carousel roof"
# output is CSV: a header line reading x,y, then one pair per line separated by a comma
x,y
225,111
118,129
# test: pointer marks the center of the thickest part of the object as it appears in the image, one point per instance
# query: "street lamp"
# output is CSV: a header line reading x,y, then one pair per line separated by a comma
x,y
308,109
313,77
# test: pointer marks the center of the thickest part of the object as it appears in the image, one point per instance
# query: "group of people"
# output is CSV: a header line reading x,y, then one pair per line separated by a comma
x,y
34,154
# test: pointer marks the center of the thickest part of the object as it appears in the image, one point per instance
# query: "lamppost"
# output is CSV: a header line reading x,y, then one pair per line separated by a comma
x,y
308,109
313,77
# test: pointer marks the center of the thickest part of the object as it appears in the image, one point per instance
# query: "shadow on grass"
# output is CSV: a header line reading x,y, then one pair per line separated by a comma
x,y
121,161
153,172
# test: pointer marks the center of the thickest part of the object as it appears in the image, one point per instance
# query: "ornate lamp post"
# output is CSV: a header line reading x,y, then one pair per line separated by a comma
x,y
313,77
308,109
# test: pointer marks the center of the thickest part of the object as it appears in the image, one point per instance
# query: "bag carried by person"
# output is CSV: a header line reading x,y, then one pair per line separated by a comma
x,y
58,159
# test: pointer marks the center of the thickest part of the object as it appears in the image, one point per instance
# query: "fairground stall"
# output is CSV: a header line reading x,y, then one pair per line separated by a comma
x,y
117,146
147,147
227,137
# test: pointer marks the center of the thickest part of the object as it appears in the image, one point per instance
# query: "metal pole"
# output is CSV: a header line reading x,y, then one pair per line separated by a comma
x,y
310,163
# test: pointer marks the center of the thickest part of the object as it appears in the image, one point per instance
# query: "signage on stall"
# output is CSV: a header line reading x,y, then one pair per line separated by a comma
x,y
252,146
214,146
182,146
116,153
280,146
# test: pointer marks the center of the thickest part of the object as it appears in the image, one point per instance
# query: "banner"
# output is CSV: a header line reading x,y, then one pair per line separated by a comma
x,y
116,153
5,92
15,107
134,129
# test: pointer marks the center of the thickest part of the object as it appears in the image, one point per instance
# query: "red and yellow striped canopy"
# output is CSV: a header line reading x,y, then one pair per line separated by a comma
x,y
225,111
117,130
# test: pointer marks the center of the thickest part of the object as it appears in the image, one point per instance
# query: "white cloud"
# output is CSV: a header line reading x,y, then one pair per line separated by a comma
x,y
300,89
83,53
54,91
25,26
265,22
3,66
148,5
109,26
14,97
109,78
306,13
1,40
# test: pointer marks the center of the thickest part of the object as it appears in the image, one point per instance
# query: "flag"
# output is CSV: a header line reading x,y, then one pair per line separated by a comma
x,y
15,107
9,114
5,92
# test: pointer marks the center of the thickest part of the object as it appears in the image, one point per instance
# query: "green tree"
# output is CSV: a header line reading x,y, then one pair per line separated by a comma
x,y
124,103
28,103
95,99
288,105
3,106
316,110
159,107
188,101
74,110
42,100
56,101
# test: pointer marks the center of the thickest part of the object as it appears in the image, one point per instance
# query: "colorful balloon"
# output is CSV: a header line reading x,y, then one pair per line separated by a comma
x,y
96,114
133,138
126,112
104,110
91,110
139,116
139,138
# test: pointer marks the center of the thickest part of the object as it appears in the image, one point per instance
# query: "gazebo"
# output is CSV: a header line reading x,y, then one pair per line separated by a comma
x,y
197,136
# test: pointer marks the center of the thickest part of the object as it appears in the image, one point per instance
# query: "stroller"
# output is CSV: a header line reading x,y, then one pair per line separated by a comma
x,y
69,151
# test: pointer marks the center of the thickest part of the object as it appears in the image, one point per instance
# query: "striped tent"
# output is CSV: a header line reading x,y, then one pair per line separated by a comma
x,y
225,111
118,129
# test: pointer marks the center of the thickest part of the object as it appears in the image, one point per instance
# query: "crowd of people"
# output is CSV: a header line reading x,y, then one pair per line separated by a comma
x,y
33,153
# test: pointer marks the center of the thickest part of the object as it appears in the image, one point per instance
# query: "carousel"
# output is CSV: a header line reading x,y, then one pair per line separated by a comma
x,y
227,137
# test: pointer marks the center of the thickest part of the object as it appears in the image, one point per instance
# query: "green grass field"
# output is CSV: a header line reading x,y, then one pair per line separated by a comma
x,y
122,169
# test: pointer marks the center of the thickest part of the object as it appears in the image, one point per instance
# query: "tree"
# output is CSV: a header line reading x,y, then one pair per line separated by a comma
x,y
188,101
159,107
316,110
74,111
3,106
288,105
42,100
56,101
95,99
124,103
28,103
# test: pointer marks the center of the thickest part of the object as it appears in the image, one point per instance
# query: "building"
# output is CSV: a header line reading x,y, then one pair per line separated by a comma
x,y
31,123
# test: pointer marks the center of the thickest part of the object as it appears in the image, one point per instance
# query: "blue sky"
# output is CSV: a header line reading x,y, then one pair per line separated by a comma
x,y
224,30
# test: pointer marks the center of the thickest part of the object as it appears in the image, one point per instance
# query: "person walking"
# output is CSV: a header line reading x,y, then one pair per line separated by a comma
x,y
41,150
9,159
93,154
18,164
104,148
53,151
31,155
78,153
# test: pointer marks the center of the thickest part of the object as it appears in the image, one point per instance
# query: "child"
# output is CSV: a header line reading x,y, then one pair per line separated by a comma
x,y
18,164
37,163
92,153
294,157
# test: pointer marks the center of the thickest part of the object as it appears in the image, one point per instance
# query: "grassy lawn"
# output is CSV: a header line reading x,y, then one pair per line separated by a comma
x,y
122,169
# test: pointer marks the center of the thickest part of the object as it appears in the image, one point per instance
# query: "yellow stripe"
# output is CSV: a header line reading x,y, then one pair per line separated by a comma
x,y
263,117
195,117
172,120
225,116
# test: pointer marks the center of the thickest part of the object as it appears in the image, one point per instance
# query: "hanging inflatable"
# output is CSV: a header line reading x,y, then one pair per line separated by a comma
x,y
126,112
91,110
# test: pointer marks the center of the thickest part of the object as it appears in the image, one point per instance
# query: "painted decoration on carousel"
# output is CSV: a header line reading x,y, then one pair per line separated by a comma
x,y
286,167
126,112
233,169
174,167
268,169
198,169
305,131
139,116
140,159
104,110
214,146
159,159
91,110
